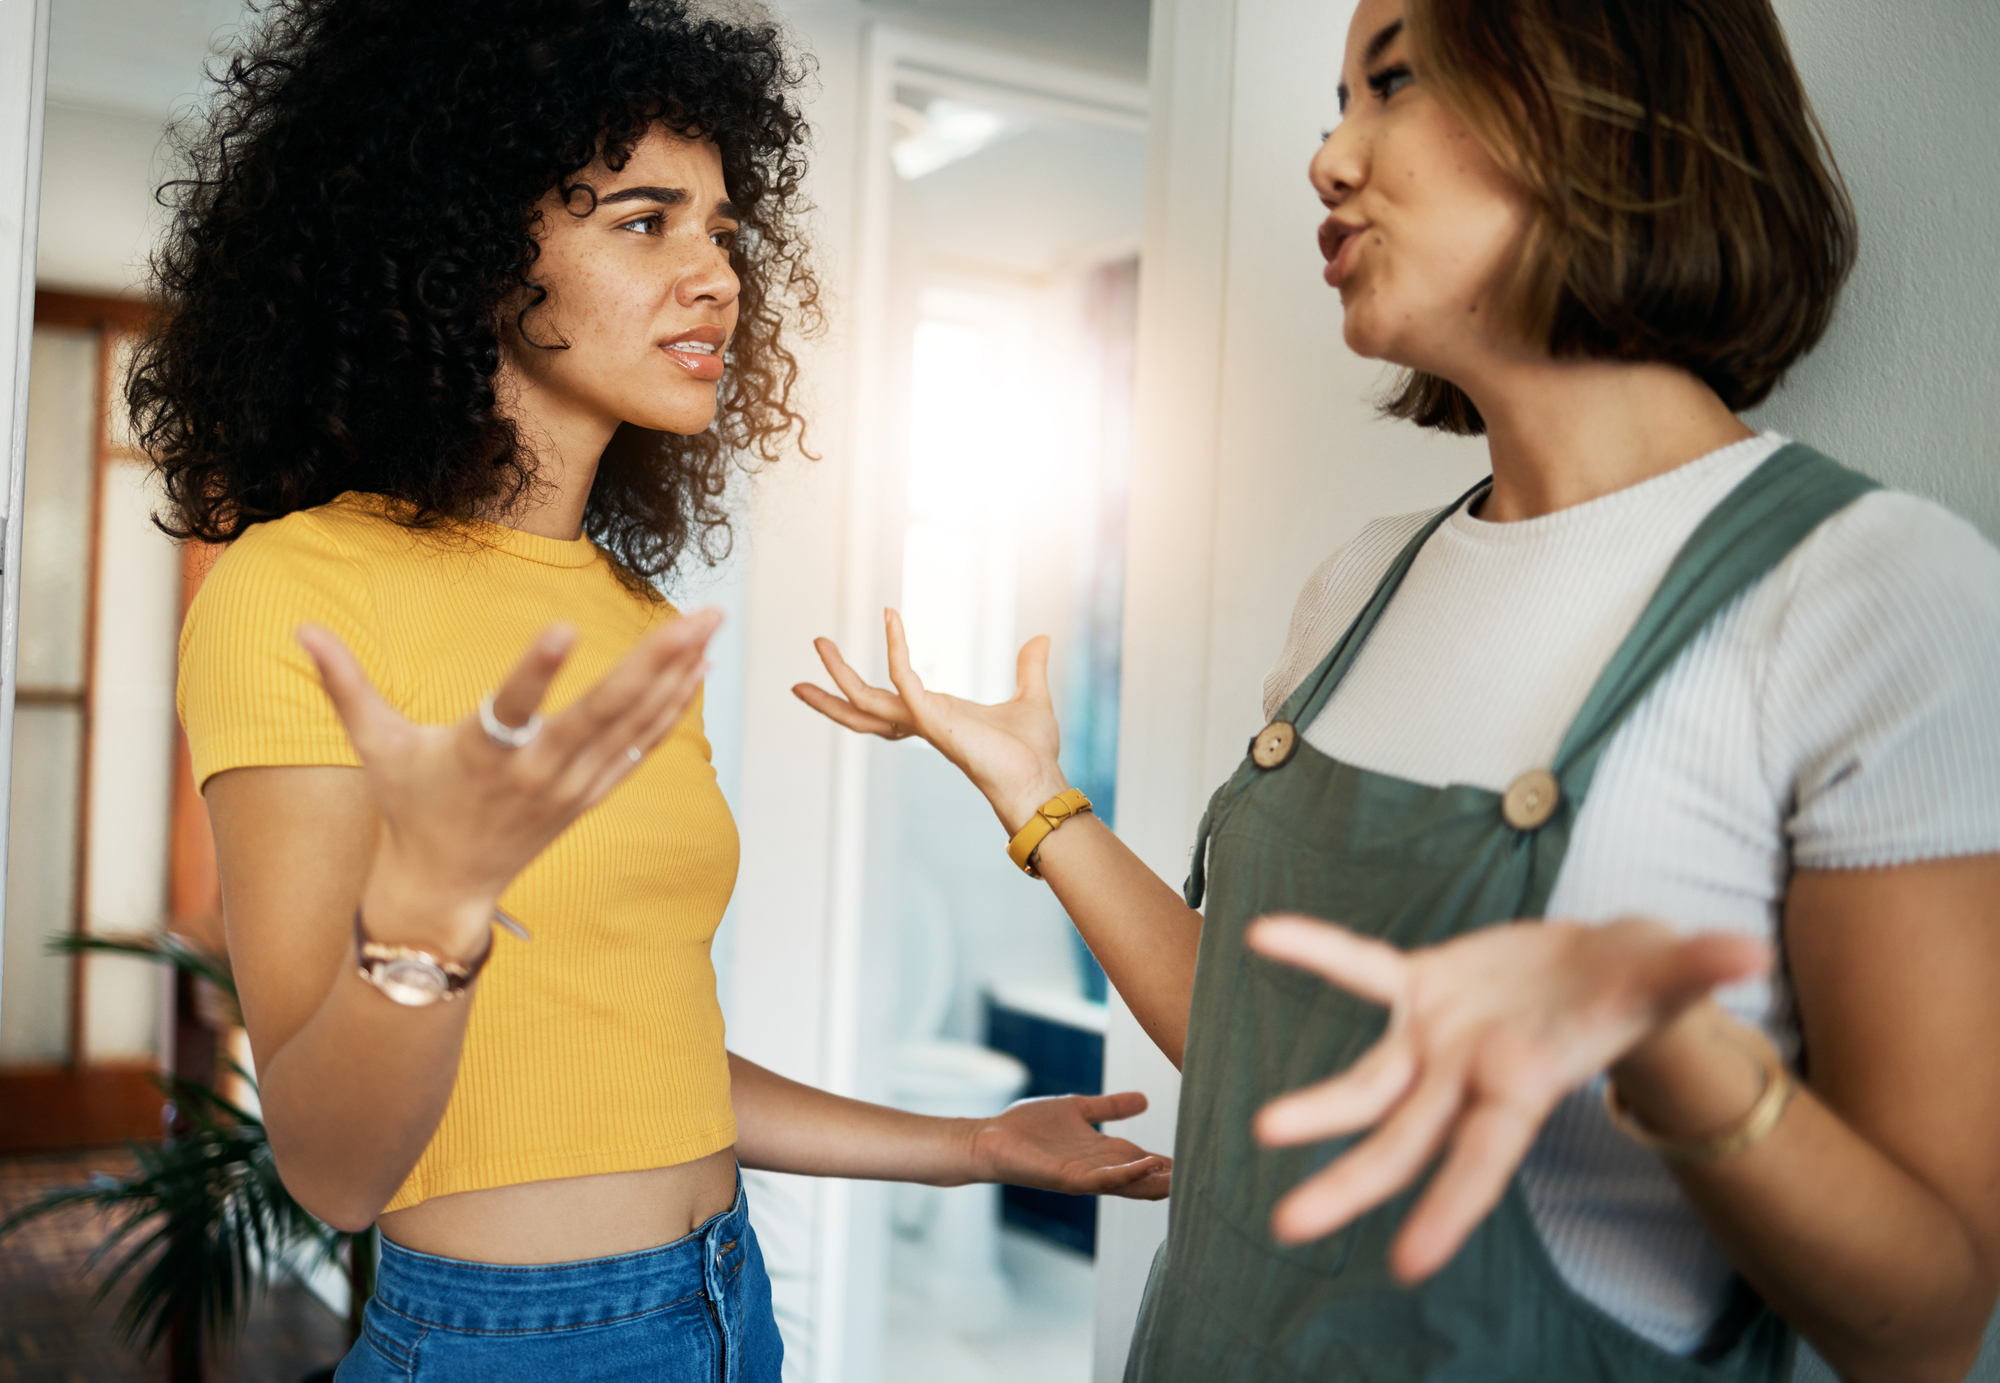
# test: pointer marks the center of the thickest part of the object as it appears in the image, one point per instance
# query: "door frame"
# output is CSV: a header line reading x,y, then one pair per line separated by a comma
x,y
841,1302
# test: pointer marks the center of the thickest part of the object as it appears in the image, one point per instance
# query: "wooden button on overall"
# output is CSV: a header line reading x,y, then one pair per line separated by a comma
x,y
1274,745
1531,799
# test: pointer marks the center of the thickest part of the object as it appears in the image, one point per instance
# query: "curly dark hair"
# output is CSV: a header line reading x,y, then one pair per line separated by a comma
x,y
358,214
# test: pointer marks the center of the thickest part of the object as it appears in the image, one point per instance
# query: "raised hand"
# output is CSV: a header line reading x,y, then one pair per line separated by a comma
x,y
1486,1033
462,814
1049,1143
1007,750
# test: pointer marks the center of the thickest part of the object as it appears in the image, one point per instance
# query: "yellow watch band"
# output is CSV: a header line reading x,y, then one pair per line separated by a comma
x,y
1058,809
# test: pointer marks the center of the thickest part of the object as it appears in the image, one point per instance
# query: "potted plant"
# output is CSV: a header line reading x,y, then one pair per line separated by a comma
x,y
204,1223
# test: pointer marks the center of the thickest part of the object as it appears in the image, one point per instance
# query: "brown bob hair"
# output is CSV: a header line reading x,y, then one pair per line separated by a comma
x,y
1686,209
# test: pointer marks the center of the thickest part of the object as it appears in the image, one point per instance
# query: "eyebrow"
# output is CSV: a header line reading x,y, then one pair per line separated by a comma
x,y
1385,36
667,196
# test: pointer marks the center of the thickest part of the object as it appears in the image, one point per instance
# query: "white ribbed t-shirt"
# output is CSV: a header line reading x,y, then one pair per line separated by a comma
x,y
1842,713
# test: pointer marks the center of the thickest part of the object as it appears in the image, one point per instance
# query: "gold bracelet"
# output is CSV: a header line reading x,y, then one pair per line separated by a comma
x,y
1027,841
1779,1087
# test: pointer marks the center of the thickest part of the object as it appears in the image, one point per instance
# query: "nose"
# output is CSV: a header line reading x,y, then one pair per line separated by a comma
x,y
708,280
1340,166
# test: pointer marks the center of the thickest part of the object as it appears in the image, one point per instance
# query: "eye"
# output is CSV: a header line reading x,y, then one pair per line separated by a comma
x,y
649,224
726,238
1389,80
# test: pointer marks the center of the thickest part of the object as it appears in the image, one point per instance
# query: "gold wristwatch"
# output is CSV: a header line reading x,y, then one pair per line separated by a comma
x,y
413,978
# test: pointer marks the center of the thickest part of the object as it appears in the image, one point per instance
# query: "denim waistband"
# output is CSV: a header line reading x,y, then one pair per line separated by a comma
x,y
453,1294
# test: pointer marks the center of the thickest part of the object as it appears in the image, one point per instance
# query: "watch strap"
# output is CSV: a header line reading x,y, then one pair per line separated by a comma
x,y
372,956
1052,813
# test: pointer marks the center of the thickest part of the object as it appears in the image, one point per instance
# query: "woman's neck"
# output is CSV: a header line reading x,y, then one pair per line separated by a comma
x,y
565,442
1562,432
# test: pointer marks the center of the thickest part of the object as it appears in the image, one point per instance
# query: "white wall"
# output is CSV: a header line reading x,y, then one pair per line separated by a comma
x,y
99,219
1258,456
1903,387
131,757
24,31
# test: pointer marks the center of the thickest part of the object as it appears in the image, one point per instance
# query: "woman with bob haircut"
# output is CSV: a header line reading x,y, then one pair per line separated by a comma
x,y
467,310
1651,791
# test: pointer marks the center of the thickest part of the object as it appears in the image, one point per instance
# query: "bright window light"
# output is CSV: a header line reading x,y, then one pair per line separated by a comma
x,y
973,437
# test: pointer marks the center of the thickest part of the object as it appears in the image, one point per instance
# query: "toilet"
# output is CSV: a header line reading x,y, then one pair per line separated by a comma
x,y
954,1231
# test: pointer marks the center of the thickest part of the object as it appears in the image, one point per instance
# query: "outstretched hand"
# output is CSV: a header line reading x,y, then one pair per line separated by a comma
x,y
463,814
1487,1032
1008,750
1049,1143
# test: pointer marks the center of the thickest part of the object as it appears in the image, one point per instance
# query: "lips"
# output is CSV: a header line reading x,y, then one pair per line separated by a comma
x,y
1337,241
699,351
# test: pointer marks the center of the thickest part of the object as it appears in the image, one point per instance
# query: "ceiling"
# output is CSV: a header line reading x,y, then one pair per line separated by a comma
x,y
146,56
1108,35
142,56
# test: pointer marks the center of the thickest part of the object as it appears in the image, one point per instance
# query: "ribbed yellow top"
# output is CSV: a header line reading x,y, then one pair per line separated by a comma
x,y
596,1047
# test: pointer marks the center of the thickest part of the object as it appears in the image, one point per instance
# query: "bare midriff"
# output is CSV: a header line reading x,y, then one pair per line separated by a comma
x,y
572,1219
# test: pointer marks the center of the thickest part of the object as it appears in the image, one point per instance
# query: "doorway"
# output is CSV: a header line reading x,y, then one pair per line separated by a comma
x,y
1003,208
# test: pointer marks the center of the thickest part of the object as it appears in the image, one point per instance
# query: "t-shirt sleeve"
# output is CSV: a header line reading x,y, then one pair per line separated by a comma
x,y
248,694
1882,699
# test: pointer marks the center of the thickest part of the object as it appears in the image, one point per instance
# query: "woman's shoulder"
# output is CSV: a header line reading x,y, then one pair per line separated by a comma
x,y
312,565
1880,685
308,544
1891,554
323,552
1335,593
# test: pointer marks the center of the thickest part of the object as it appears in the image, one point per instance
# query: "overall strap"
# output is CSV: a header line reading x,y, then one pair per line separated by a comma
x,y
1303,706
1313,690
1753,529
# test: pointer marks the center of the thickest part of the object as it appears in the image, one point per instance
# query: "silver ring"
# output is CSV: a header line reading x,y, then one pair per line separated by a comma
x,y
633,754
502,734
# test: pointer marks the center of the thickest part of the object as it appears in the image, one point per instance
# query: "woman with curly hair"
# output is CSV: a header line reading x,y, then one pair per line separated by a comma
x,y
467,310
1570,762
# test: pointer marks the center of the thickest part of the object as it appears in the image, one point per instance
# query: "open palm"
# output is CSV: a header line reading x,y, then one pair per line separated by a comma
x,y
1486,1033
1051,1144
1008,750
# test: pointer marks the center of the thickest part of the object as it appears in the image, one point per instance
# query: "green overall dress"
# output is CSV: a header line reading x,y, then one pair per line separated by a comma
x,y
1295,831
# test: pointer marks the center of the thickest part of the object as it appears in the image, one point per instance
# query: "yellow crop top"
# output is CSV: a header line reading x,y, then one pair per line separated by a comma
x,y
596,1047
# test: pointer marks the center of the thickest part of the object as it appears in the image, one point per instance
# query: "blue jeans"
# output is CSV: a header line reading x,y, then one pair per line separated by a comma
x,y
696,1311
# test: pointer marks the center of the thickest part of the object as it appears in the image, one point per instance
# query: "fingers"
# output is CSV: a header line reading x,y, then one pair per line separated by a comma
x,y
367,717
1375,1169
901,674
1031,670
520,695
1354,1099
586,751
1374,970
841,712
642,731
1104,1109
651,718
1155,1185
872,700
1703,962
1114,1180
1488,1146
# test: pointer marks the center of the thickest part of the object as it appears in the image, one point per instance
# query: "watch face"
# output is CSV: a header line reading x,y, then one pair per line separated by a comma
x,y
410,981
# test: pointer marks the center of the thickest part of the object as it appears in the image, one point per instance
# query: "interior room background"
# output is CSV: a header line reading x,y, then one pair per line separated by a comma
x,y
1148,220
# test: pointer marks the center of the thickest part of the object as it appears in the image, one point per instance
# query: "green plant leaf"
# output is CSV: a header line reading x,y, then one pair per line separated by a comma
x,y
168,948
199,1227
